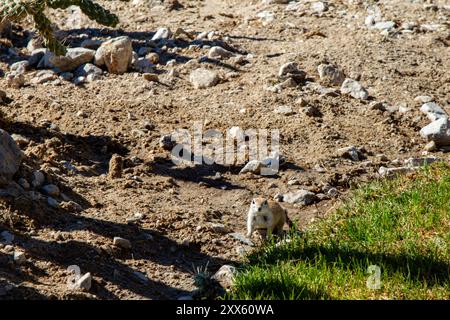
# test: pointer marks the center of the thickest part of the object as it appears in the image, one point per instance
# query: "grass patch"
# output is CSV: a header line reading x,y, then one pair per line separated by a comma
x,y
400,225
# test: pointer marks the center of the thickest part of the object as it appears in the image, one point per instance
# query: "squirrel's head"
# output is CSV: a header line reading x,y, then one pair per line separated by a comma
x,y
259,204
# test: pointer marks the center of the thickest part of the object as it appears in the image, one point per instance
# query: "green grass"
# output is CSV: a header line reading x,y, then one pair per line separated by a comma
x,y
400,225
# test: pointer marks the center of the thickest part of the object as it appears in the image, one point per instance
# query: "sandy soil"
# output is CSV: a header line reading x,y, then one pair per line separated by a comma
x,y
180,204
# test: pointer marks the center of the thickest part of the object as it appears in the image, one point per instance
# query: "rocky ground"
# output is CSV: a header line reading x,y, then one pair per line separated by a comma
x,y
357,90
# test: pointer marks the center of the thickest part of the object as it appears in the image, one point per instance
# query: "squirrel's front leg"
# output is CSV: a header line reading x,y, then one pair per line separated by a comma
x,y
250,226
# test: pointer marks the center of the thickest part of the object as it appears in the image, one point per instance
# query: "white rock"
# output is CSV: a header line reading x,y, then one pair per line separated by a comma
x,y
433,111
116,54
219,53
84,282
266,17
34,44
285,110
423,99
162,33
253,166
203,78
19,257
385,25
319,6
236,133
437,131
354,89
301,196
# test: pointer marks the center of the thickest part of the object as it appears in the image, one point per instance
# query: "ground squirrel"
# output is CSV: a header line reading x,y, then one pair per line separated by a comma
x,y
268,215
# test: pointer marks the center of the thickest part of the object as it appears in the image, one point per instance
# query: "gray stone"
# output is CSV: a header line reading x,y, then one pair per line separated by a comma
x,y
437,131
37,179
116,54
24,183
143,65
217,52
141,276
6,237
354,89
52,202
51,190
68,76
386,172
91,44
301,196
36,57
10,157
241,238
15,79
225,276
203,78
84,282
291,70
20,65
330,75
87,69
417,162
44,76
122,243
73,59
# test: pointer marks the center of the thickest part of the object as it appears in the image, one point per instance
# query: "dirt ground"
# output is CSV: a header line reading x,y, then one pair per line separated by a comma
x,y
127,115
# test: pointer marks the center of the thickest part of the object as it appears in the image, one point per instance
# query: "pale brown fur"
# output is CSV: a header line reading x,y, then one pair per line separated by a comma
x,y
268,215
